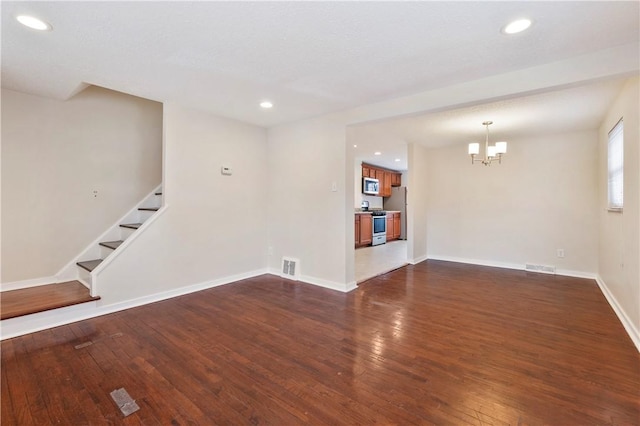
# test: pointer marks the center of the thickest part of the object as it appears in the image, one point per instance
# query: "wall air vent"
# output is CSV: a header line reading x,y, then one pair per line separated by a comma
x,y
545,269
290,268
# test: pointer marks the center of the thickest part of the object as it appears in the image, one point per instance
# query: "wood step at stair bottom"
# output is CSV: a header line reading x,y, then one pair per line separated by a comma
x,y
26,301
131,225
111,244
90,265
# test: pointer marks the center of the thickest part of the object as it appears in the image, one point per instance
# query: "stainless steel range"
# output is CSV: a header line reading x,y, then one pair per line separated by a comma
x,y
379,227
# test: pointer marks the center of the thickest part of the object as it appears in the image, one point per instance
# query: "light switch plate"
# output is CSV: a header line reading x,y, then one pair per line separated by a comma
x,y
226,170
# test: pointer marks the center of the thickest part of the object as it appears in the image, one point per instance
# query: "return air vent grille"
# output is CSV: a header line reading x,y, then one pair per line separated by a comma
x,y
290,268
545,269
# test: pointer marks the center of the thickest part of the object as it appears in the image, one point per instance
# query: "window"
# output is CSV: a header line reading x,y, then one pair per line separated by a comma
x,y
615,156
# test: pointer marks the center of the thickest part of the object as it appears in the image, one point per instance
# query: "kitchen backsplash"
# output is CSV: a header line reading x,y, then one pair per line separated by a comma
x,y
374,202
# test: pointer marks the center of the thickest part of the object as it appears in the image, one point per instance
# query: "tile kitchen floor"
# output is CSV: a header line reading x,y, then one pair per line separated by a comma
x,y
373,261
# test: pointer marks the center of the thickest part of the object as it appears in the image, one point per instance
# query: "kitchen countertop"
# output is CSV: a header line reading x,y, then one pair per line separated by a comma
x,y
370,211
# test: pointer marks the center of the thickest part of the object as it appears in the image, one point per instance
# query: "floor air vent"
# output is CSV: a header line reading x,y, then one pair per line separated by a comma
x,y
290,268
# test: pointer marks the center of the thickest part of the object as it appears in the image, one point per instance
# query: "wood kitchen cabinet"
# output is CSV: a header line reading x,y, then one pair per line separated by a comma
x,y
364,230
388,178
396,226
393,226
385,189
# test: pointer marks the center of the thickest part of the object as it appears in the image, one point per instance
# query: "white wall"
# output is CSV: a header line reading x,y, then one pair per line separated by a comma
x,y
54,155
307,219
541,198
619,254
214,226
418,187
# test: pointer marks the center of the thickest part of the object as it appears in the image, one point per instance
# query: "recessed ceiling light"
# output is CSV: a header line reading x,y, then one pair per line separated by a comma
x,y
517,26
355,146
377,153
396,160
266,104
33,23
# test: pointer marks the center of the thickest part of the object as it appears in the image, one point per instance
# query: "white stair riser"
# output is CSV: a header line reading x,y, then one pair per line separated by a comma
x,y
143,215
105,251
126,233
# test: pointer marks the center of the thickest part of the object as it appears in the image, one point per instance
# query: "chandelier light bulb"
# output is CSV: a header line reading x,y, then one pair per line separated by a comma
x,y
491,152
501,147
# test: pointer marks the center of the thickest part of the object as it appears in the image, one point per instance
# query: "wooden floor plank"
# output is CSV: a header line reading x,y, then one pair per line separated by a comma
x,y
32,300
433,343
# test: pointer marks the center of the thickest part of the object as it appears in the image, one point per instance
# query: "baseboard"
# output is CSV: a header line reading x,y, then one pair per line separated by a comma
x,y
516,266
628,325
33,282
344,288
577,274
491,263
417,260
19,326
351,286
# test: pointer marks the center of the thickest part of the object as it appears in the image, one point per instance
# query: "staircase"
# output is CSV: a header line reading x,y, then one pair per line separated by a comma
x,y
111,240
74,281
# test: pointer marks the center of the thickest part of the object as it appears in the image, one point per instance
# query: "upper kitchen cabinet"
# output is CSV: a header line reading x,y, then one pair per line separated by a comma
x,y
387,177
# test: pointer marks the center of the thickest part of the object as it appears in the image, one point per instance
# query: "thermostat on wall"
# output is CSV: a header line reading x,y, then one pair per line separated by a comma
x,y
226,170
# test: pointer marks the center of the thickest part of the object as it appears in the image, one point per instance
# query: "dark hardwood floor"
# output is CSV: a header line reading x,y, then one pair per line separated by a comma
x,y
32,300
435,343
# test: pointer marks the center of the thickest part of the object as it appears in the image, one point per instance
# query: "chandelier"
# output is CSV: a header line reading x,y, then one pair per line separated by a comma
x,y
491,152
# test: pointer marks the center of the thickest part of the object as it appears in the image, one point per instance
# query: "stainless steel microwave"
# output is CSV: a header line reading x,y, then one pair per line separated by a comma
x,y
370,186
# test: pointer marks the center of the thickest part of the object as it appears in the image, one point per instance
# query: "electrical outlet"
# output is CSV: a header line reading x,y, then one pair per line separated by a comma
x,y
560,253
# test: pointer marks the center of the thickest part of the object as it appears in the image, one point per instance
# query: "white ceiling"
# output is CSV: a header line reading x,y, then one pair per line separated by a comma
x,y
309,58
555,112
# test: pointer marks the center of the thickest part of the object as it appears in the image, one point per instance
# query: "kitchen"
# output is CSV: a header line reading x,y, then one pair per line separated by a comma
x,y
380,220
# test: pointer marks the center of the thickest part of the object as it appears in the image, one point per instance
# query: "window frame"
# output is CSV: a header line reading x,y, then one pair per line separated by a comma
x,y
615,167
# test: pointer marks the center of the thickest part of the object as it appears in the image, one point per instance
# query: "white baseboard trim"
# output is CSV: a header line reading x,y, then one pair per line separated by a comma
x,y
516,266
577,274
19,326
351,286
33,282
344,288
417,260
491,263
628,325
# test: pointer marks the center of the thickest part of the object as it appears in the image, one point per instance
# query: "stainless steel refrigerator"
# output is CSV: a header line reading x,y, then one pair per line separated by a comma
x,y
398,202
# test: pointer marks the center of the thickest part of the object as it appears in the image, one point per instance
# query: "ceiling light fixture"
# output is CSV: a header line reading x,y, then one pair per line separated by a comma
x,y
491,153
377,153
397,160
33,23
517,26
266,104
